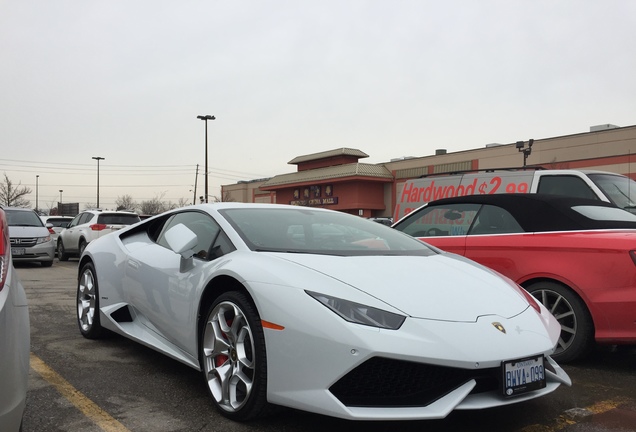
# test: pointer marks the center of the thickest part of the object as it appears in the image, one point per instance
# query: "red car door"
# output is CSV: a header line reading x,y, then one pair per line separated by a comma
x,y
504,253
454,244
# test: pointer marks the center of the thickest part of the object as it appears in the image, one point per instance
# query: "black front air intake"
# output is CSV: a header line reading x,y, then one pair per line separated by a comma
x,y
382,382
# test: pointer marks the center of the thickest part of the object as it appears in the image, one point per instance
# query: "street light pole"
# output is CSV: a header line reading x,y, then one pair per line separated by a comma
x,y
98,158
206,118
37,177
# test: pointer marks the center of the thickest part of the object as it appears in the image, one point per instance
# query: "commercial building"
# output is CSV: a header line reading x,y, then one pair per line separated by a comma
x,y
336,179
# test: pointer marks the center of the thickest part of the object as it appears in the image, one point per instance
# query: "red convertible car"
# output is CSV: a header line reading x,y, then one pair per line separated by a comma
x,y
577,256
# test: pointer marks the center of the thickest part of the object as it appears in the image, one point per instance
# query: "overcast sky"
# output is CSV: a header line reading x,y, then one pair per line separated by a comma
x,y
125,80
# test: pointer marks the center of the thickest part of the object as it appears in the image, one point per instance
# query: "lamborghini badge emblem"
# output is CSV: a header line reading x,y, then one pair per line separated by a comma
x,y
499,327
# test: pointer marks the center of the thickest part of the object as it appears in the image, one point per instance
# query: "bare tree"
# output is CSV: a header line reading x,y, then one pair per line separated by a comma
x,y
126,202
154,206
52,206
13,196
183,202
151,207
170,206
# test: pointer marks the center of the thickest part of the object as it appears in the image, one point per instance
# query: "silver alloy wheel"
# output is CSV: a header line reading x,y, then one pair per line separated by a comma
x,y
229,363
563,311
86,300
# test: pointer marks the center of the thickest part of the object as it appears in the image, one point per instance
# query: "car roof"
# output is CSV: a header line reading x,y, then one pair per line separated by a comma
x,y
542,212
100,211
524,199
17,208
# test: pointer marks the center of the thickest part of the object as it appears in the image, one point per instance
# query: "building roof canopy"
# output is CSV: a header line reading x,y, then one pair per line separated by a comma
x,y
359,170
344,151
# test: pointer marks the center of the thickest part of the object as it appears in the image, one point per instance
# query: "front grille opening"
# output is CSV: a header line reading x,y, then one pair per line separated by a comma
x,y
382,382
23,242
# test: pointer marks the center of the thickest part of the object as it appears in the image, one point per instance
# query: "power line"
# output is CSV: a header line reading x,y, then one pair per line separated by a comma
x,y
186,169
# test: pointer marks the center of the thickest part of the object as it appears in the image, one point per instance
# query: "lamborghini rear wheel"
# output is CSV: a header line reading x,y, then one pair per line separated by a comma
x,y
232,353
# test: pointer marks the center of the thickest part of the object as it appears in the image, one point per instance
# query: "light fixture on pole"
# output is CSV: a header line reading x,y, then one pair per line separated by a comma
x,y
206,118
61,196
37,177
98,158
526,151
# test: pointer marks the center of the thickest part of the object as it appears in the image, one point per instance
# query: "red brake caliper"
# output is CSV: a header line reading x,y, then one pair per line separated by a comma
x,y
222,358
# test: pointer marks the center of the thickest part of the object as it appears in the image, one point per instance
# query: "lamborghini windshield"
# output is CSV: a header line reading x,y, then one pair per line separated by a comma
x,y
305,230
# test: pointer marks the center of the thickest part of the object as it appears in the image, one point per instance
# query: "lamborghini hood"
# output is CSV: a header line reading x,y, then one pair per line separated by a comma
x,y
443,287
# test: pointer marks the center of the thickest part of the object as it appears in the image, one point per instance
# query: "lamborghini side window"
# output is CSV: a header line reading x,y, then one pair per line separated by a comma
x,y
212,242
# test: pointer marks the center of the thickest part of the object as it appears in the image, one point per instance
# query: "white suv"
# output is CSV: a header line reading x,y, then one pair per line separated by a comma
x,y
89,225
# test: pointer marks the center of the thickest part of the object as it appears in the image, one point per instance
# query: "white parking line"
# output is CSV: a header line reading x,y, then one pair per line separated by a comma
x,y
100,417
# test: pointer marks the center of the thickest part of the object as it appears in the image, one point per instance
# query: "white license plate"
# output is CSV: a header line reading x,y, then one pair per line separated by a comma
x,y
523,375
17,251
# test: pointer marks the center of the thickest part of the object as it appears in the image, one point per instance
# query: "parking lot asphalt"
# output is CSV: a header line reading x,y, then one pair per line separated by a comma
x,y
117,385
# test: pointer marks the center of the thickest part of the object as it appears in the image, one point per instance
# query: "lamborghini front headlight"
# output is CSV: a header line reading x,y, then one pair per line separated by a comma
x,y
360,314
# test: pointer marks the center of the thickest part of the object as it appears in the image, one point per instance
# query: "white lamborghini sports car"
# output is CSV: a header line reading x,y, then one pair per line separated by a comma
x,y
318,310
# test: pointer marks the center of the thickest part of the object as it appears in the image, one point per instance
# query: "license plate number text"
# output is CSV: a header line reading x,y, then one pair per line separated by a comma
x,y
522,376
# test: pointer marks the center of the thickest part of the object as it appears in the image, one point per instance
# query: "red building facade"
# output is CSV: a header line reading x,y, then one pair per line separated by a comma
x,y
336,179
333,179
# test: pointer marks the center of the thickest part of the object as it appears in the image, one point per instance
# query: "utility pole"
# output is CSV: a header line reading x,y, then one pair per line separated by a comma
x,y
196,176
